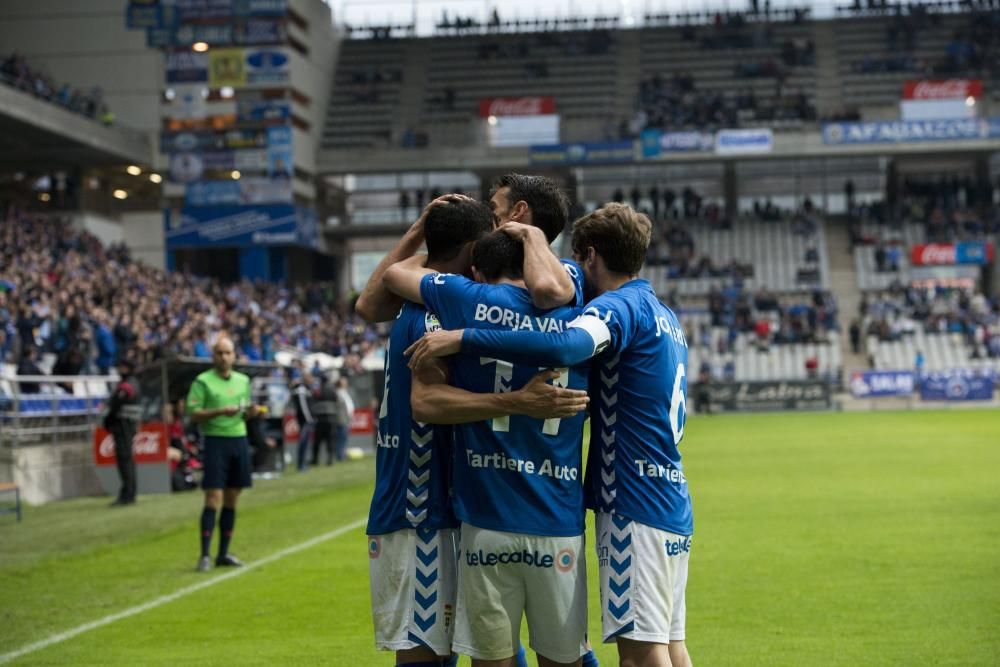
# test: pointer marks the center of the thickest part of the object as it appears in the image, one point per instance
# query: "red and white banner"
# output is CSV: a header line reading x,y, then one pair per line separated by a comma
x,y
516,106
949,89
363,421
945,254
290,428
148,446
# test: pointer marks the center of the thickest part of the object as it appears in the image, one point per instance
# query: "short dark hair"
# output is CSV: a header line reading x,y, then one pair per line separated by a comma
x,y
618,233
548,203
497,256
448,227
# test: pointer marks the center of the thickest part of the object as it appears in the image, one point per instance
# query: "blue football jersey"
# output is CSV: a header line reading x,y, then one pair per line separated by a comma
x,y
576,275
515,474
412,459
638,390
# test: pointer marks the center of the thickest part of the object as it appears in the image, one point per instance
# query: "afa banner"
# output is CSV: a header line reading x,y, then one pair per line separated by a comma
x,y
605,152
958,385
240,226
877,384
888,132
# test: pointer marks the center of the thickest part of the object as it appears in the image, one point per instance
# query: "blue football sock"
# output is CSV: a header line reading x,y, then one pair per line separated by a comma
x,y
522,657
450,661
590,660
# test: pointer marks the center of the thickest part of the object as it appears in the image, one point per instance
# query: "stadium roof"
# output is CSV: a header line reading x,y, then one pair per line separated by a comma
x,y
34,132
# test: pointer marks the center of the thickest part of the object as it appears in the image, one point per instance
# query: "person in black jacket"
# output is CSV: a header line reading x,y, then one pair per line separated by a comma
x,y
121,424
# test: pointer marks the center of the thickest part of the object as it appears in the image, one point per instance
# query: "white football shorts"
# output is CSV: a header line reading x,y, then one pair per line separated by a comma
x,y
504,575
413,579
643,577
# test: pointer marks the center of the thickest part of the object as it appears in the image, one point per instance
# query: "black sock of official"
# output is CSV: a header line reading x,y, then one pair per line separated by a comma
x,y
207,526
227,519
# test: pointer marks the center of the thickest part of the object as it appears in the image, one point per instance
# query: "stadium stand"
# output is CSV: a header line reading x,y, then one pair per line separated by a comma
x,y
16,71
82,305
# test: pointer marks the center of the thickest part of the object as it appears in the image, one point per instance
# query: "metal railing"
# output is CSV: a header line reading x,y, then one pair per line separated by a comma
x,y
35,409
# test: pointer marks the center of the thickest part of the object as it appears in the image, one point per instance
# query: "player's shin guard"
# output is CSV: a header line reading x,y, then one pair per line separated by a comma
x,y
207,526
227,520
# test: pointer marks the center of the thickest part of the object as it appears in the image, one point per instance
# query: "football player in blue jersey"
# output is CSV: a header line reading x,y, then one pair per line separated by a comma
x,y
516,479
411,537
638,386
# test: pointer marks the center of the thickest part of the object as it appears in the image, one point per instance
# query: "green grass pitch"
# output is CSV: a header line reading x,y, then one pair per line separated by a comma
x,y
821,539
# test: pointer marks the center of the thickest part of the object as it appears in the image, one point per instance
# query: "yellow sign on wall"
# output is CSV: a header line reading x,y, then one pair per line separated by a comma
x,y
226,67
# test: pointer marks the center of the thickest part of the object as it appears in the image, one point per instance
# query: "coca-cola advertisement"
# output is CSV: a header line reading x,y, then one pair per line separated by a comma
x,y
948,89
148,446
944,254
516,106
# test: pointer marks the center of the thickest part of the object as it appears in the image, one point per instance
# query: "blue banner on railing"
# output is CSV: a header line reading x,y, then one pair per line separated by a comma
x,y
241,32
220,9
957,385
909,131
656,142
262,111
603,152
240,226
875,384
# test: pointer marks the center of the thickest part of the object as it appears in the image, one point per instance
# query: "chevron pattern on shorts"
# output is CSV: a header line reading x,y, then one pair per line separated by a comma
x,y
620,560
425,592
418,477
608,414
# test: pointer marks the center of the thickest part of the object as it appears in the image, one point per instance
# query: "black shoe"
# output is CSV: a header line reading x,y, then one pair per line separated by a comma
x,y
228,560
121,502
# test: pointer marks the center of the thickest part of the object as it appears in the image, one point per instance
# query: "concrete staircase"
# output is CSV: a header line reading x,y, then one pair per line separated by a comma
x,y
629,72
829,87
411,94
844,285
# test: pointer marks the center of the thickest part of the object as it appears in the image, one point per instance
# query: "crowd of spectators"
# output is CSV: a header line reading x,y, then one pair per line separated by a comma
x,y
971,48
63,292
675,103
762,320
948,208
15,71
902,311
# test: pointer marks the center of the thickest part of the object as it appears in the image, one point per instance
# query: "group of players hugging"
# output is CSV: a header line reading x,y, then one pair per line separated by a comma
x,y
498,352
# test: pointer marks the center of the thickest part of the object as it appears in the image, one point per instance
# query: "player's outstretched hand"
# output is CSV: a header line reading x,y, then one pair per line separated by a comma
x,y
434,344
545,401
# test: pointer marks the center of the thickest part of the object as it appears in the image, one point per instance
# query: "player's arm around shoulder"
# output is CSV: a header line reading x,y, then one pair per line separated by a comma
x,y
403,278
434,401
545,276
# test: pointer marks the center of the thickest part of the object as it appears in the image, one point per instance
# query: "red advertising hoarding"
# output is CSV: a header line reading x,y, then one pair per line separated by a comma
x,y
949,89
148,446
516,106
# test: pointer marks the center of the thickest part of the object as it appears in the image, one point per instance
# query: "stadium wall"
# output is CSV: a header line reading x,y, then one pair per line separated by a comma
x,y
143,234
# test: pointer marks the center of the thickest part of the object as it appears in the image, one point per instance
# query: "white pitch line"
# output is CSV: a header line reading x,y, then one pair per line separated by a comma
x,y
160,601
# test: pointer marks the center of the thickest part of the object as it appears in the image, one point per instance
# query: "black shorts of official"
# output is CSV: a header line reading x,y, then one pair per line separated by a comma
x,y
227,463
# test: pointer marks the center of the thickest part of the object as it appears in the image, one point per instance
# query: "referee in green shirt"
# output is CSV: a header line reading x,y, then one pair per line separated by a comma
x,y
219,401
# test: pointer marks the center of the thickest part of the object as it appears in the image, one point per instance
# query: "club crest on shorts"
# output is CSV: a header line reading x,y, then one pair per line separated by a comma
x,y
565,560
374,547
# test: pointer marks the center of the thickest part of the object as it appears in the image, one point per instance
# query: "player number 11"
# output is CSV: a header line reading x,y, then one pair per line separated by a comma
x,y
501,384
